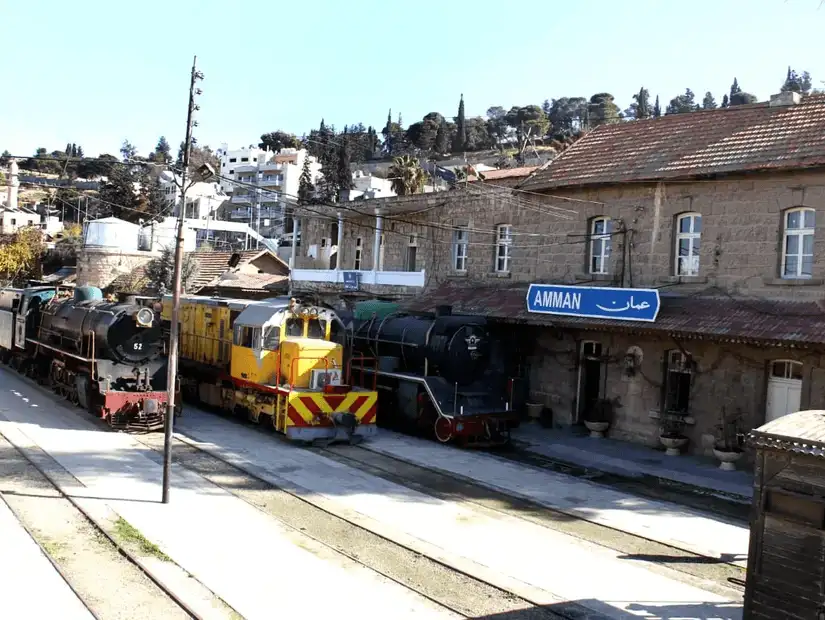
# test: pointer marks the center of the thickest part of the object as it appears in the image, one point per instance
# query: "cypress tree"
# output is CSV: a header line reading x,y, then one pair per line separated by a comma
x,y
460,142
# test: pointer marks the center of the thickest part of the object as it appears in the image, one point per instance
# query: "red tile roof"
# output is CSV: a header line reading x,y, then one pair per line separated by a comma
x,y
736,139
212,264
211,267
705,317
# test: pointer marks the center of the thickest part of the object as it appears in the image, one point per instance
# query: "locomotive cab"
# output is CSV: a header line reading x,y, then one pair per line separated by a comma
x,y
277,345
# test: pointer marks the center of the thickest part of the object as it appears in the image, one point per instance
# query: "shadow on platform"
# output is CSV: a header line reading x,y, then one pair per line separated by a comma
x,y
591,609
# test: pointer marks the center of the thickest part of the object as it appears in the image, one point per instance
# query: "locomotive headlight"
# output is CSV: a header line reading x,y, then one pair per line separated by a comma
x,y
144,317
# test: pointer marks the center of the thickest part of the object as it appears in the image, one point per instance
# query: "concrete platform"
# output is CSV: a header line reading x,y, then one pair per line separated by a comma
x,y
30,586
663,522
257,565
629,460
529,557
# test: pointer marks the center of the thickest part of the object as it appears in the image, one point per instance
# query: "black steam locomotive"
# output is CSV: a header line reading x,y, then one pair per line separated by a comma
x,y
434,374
105,356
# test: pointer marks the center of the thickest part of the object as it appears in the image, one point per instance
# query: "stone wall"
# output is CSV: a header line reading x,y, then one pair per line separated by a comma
x,y
730,376
100,267
740,249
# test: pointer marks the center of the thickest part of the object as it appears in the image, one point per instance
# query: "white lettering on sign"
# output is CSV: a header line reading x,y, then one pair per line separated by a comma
x,y
558,299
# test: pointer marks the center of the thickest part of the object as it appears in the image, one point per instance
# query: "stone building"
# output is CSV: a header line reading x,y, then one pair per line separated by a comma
x,y
715,217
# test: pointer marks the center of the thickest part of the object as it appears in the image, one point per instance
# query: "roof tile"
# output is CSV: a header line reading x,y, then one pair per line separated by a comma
x,y
705,316
735,139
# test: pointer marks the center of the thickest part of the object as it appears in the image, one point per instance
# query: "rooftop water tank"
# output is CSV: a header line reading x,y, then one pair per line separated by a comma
x,y
111,232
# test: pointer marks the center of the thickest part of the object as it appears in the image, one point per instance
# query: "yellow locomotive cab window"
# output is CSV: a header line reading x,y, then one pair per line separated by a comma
x,y
316,329
294,328
272,337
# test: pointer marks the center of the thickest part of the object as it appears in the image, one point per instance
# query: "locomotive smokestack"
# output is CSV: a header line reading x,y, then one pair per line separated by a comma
x,y
443,310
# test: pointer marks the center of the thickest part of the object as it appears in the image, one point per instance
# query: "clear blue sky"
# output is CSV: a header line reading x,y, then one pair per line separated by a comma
x,y
96,72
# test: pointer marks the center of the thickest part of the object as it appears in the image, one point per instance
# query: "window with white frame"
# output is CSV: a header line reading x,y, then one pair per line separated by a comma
x,y
798,245
678,378
412,253
600,245
460,238
688,237
504,242
359,244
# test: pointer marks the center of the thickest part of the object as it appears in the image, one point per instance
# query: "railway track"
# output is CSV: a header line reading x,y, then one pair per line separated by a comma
x,y
49,486
460,592
465,593
44,551
701,570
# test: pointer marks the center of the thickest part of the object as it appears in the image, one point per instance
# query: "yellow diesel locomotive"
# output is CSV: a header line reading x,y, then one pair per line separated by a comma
x,y
278,362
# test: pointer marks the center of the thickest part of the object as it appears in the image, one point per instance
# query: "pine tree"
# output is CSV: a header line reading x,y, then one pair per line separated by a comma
x,y
79,152
163,152
657,109
442,139
708,103
734,88
343,176
306,189
460,142
641,104
388,133
68,150
725,101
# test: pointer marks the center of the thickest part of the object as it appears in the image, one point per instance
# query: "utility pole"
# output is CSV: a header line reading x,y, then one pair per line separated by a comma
x,y
172,373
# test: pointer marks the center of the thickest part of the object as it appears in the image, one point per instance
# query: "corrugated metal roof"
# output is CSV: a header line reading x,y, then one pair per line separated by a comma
x,y
259,314
718,317
735,139
504,173
802,432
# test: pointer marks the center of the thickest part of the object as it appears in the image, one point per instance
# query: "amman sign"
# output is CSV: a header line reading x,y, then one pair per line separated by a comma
x,y
594,302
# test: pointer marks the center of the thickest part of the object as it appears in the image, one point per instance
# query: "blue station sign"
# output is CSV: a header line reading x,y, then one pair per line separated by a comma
x,y
350,280
594,302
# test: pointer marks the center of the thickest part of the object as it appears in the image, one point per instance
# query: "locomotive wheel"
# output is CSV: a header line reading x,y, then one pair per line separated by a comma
x,y
443,430
83,391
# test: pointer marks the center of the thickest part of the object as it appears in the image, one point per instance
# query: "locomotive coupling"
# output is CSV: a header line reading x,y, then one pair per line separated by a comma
x,y
347,420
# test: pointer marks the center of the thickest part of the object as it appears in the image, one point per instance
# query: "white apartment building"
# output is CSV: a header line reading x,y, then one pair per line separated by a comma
x,y
263,190
367,186
231,160
202,199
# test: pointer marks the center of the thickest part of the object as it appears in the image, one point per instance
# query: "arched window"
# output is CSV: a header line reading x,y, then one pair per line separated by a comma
x,y
688,235
798,243
600,245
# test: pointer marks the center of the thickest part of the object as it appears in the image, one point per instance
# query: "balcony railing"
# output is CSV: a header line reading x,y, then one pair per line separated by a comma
x,y
386,278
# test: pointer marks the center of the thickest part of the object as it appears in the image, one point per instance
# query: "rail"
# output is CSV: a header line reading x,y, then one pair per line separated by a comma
x,y
416,379
362,368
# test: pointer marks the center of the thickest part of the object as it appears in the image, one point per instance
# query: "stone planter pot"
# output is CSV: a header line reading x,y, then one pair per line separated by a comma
x,y
534,410
596,429
673,444
727,459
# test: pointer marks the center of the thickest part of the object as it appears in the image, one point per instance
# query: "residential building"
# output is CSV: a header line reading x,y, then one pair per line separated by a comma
x,y
12,220
229,160
366,186
694,239
264,191
202,199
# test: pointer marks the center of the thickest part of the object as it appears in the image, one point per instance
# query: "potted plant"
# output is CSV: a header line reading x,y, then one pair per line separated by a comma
x,y
597,418
671,433
728,448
